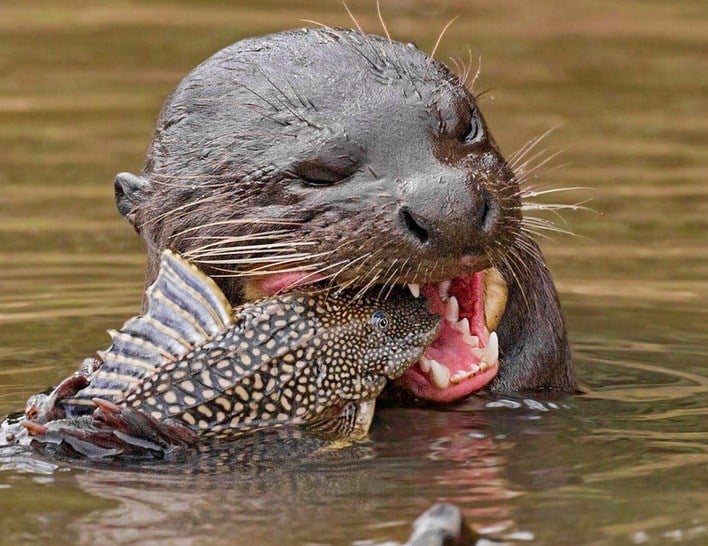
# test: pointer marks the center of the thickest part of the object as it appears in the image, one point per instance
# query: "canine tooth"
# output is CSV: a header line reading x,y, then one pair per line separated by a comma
x,y
415,290
424,363
440,374
491,351
444,289
452,310
496,293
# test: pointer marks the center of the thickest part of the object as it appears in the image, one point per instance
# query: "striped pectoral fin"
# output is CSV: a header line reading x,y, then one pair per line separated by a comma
x,y
350,421
185,309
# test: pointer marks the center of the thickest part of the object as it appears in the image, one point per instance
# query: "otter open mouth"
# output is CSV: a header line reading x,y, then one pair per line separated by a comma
x,y
464,358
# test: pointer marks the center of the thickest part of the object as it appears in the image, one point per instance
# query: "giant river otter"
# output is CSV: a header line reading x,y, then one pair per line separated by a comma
x,y
351,160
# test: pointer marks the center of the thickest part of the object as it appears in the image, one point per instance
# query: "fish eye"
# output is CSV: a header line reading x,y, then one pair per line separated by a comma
x,y
379,320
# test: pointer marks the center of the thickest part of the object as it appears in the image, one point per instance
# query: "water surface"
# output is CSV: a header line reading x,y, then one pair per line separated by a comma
x,y
625,86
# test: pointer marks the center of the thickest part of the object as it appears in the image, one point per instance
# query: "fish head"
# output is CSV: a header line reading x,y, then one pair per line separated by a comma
x,y
390,334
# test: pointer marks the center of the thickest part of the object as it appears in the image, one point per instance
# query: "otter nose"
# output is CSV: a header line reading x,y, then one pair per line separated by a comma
x,y
448,228
415,224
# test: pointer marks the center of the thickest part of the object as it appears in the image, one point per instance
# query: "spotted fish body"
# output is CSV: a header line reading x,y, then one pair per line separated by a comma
x,y
317,360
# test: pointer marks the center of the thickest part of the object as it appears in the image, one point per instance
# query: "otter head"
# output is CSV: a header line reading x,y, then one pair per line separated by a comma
x,y
336,156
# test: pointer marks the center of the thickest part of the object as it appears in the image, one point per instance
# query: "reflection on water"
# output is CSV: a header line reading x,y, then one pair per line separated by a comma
x,y
622,464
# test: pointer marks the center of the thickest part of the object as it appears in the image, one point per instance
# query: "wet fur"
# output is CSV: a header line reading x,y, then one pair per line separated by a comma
x,y
226,182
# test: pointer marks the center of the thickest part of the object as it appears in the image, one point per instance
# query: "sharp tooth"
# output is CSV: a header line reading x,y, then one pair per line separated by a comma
x,y
444,289
491,351
495,296
424,363
440,374
462,326
415,290
452,310
472,341
483,365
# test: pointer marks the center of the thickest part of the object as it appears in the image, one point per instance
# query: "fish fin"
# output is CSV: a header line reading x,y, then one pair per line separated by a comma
x,y
350,421
185,308
113,431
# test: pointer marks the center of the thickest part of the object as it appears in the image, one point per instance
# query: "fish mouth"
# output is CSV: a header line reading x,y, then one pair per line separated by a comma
x,y
464,357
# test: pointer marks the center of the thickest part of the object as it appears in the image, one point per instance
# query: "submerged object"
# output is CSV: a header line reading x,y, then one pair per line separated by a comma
x,y
192,367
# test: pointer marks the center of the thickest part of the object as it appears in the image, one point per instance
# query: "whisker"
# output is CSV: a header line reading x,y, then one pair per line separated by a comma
x,y
526,148
240,222
247,249
458,66
440,37
277,234
229,273
349,263
374,277
351,16
506,259
176,209
521,168
390,267
312,274
390,288
253,260
381,19
356,278
535,193
477,73
217,241
538,224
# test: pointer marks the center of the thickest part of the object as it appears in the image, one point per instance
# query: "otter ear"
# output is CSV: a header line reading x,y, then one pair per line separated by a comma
x,y
129,190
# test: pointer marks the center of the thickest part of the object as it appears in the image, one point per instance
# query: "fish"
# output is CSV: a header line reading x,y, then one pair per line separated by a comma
x,y
192,368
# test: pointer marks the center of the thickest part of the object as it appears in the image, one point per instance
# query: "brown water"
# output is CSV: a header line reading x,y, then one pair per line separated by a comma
x,y
625,82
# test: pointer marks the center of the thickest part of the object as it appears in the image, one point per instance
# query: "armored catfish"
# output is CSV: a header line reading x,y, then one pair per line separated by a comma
x,y
192,367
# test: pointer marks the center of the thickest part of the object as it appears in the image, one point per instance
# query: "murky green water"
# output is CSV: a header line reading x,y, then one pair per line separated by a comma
x,y
625,82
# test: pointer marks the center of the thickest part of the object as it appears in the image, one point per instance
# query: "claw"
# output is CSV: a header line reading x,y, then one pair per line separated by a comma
x,y
34,429
106,406
113,430
43,408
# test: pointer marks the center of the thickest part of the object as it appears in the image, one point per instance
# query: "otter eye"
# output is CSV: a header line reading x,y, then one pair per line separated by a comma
x,y
474,132
322,178
316,173
379,320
